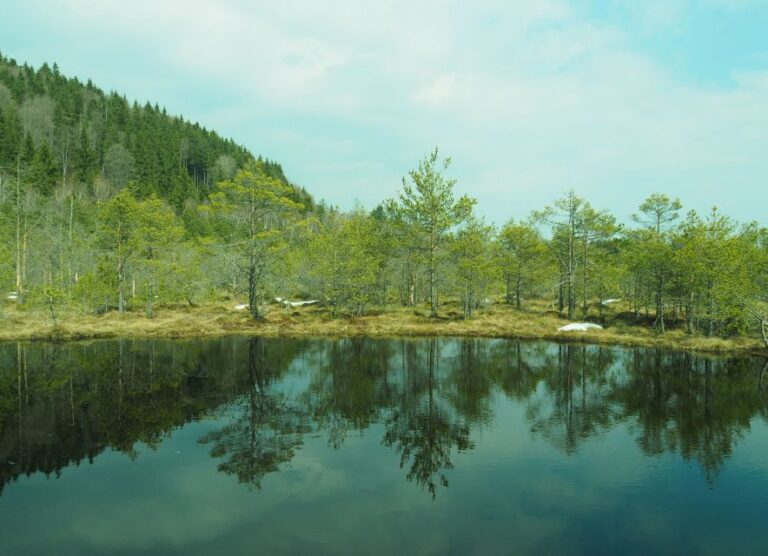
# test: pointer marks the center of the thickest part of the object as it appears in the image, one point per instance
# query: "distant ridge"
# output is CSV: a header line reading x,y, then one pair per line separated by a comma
x,y
65,133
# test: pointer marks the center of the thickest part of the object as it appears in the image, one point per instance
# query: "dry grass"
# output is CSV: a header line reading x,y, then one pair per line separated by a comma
x,y
498,321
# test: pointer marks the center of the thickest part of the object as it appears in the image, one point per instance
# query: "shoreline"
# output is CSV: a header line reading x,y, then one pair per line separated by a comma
x,y
216,321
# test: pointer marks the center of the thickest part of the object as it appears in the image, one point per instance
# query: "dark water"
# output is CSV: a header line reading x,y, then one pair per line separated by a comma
x,y
444,446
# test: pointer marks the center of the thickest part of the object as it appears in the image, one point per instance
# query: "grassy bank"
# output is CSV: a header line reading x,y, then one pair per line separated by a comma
x,y
498,321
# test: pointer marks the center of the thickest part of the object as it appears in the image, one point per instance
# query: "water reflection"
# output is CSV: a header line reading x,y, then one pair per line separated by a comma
x,y
61,405
265,428
423,426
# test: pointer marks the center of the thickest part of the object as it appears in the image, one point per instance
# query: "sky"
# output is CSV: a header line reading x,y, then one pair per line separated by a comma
x,y
616,99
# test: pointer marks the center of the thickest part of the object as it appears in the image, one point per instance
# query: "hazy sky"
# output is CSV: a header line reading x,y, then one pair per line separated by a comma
x,y
616,98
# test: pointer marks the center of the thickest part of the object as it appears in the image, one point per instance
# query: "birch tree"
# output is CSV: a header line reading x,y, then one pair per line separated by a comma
x,y
117,237
159,233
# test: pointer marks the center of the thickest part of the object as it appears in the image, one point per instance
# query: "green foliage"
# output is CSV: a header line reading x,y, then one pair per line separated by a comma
x,y
564,218
256,211
347,257
475,267
118,238
158,235
63,127
429,210
93,290
654,249
712,273
106,204
523,259
53,297
141,237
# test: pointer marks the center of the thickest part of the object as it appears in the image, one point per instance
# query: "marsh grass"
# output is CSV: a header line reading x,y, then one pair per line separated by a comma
x,y
497,321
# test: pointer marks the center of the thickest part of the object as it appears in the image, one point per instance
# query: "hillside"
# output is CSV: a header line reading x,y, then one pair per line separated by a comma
x,y
60,132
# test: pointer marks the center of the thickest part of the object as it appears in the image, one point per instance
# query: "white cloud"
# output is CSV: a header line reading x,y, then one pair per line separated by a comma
x,y
530,98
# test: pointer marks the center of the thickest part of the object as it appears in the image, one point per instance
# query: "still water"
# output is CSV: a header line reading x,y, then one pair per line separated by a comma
x,y
433,446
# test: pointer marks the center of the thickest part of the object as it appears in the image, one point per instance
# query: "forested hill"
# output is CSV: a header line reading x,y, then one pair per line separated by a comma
x,y
59,131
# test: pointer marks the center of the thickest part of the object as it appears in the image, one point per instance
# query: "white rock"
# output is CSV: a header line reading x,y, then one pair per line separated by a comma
x,y
609,301
241,307
579,327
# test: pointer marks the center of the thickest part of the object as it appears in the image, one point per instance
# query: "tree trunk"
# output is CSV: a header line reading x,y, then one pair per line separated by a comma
x,y
253,283
659,323
636,299
22,234
584,277
71,219
689,314
19,258
711,323
411,289
150,297
120,288
432,281
571,271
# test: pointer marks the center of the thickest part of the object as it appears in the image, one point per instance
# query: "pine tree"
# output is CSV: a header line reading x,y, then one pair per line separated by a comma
x,y
44,171
85,161
655,247
429,209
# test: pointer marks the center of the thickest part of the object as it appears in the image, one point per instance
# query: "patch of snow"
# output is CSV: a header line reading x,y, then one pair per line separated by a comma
x,y
296,303
579,327
302,303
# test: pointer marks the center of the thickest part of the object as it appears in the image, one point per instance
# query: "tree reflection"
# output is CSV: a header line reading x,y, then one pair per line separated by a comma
x,y
267,428
698,407
470,382
422,427
350,387
63,404
572,407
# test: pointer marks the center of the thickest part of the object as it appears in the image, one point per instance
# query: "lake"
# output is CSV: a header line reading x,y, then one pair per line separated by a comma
x,y
360,446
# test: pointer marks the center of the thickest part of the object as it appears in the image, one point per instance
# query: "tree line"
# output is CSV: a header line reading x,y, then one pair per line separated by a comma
x,y
84,228
426,246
